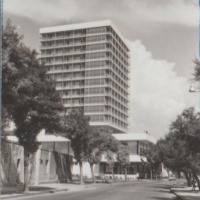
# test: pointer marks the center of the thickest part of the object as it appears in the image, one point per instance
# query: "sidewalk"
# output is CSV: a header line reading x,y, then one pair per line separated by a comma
x,y
17,191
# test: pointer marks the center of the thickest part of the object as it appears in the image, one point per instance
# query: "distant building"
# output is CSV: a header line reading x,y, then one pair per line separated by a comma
x,y
90,65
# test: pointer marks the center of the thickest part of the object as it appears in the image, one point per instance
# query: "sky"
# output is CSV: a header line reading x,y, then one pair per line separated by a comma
x,y
163,39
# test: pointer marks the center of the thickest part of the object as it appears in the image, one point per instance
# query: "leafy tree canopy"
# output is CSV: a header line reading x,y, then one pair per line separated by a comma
x,y
78,131
29,97
123,155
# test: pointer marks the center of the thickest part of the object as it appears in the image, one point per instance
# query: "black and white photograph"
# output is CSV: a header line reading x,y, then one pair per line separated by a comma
x,y
100,100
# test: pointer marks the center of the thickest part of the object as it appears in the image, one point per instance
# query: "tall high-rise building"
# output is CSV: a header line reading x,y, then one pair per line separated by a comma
x,y
90,65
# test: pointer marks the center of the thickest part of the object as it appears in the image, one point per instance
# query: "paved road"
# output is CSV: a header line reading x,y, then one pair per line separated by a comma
x,y
140,190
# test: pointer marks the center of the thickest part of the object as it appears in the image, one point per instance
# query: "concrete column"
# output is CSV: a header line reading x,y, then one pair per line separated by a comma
x,y
49,165
37,167
21,167
137,147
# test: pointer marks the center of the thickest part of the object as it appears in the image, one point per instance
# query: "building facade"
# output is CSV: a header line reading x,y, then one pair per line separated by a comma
x,y
52,161
90,65
136,143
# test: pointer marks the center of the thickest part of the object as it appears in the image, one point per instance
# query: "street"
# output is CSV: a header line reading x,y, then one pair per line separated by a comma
x,y
141,190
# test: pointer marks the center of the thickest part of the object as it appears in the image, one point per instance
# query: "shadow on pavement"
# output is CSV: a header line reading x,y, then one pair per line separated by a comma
x,y
37,188
165,198
19,190
160,186
191,198
167,187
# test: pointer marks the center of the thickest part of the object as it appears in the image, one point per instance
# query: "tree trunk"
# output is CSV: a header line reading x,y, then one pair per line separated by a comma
x,y
190,176
81,172
168,173
151,173
92,172
187,178
113,174
125,172
26,170
197,179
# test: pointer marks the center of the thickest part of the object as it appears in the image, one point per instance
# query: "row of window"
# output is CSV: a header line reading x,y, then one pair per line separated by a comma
x,y
95,47
68,75
94,99
80,32
96,55
95,64
62,34
94,90
76,66
98,81
96,38
95,118
91,100
74,32
99,72
77,57
62,51
100,118
94,108
71,101
96,30
72,92
62,43
68,84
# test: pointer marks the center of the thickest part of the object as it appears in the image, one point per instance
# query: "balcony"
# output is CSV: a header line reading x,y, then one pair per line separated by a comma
x,y
71,61
62,54
62,37
53,46
72,104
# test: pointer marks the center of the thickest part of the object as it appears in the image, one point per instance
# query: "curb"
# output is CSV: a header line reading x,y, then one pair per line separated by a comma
x,y
54,190
33,193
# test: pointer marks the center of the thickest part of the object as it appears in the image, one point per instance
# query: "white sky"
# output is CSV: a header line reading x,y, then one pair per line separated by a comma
x,y
163,36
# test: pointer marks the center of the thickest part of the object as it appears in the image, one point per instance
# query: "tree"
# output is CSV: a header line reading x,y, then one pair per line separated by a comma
x,y
187,129
110,157
180,150
174,154
197,70
94,151
29,97
152,161
78,131
100,141
11,43
123,158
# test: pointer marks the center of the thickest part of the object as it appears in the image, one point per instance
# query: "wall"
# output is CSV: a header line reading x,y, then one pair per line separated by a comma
x,y
11,163
132,147
45,165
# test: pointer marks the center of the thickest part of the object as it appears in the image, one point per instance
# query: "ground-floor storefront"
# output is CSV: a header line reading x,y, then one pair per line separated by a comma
x,y
134,170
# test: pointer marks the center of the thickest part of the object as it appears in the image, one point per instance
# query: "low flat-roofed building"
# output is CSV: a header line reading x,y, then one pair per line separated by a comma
x,y
52,161
136,143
